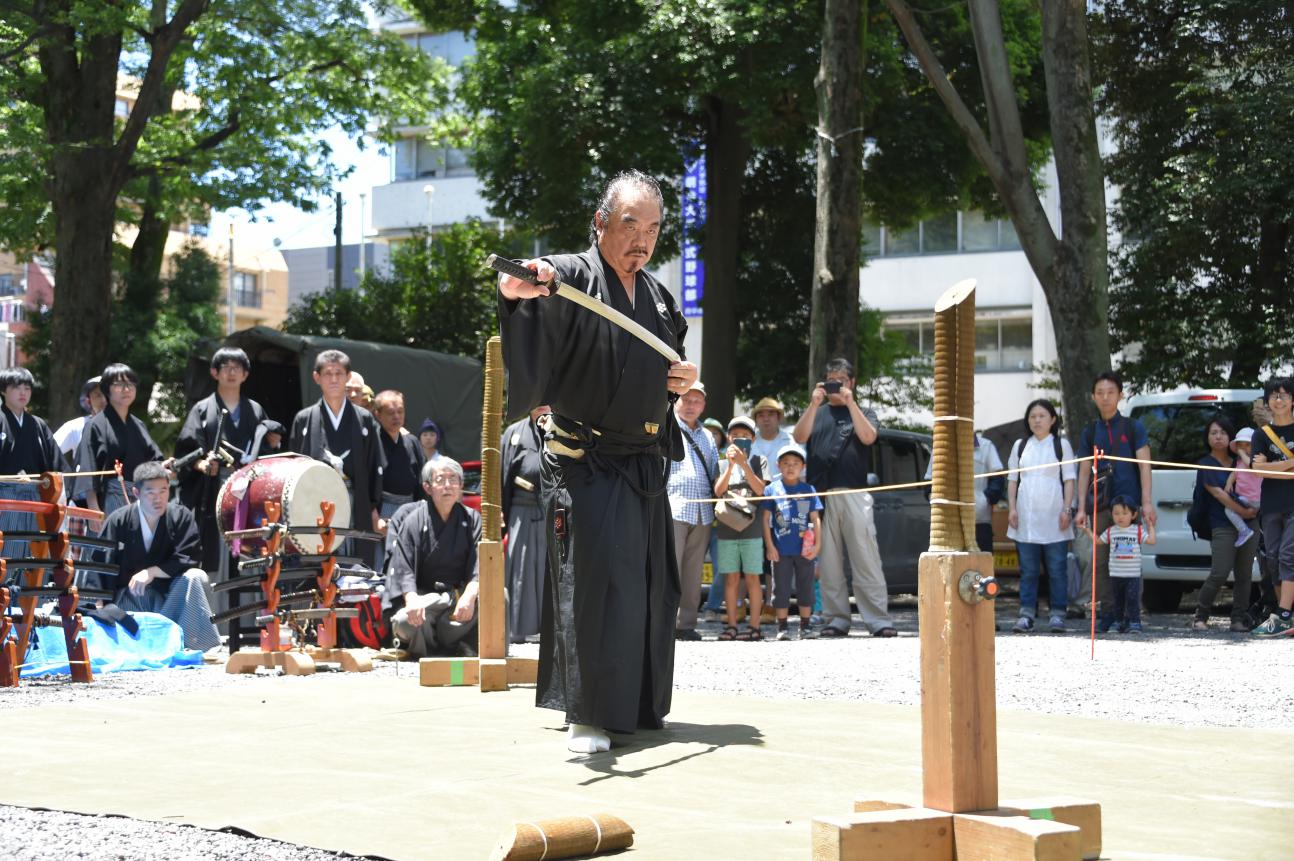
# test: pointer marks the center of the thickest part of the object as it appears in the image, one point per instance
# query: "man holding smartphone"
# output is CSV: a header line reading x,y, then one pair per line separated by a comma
x,y
839,435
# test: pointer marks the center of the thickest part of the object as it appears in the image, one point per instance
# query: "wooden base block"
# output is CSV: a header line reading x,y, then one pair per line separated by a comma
x,y
9,664
1083,815
958,705
249,660
523,671
979,837
351,660
491,624
871,805
907,834
494,674
438,672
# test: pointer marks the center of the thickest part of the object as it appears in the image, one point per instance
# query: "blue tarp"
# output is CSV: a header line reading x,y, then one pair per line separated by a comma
x,y
159,644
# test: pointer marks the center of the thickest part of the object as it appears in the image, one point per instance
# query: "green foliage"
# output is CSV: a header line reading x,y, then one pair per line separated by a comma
x,y
437,296
1202,97
186,313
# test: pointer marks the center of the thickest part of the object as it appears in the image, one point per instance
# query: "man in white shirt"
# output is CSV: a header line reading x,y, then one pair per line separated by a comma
x,y
771,437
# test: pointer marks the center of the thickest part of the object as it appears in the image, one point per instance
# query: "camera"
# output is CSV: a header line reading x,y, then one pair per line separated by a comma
x,y
832,387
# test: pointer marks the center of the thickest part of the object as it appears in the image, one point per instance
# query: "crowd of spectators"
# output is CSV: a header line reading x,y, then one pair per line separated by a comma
x,y
781,514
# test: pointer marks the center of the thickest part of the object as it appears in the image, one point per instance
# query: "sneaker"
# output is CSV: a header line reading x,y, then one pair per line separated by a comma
x,y
1023,625
1244,536
783,634
1133,628
713,616
806,629
815,620
1275,626
687,634
1104,625
1056,624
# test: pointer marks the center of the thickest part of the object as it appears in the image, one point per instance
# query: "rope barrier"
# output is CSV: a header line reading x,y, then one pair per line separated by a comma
x,y
1076,460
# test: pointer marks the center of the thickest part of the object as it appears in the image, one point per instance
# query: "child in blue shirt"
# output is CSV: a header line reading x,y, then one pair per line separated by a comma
x,y
785,523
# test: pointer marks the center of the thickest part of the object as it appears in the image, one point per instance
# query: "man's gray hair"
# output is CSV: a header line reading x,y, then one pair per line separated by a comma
x,y
431,467
611,197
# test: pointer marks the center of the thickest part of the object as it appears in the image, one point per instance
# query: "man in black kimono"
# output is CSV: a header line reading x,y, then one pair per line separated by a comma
x,y
612,591
434,567
402,475
114,435
157,557
523,517
346,438
200,482
26,446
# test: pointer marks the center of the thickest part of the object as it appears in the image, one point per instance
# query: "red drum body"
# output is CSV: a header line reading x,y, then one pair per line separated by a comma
x,y
297,483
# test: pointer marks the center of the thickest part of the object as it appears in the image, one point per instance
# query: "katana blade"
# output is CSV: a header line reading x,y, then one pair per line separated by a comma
x,y
584,300
294,560
55,592
78,564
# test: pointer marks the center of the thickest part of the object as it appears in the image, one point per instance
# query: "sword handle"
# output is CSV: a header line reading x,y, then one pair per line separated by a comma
x,y
507,267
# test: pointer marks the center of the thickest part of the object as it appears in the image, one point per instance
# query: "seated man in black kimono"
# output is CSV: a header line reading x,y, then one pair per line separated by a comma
x,y
611,594
157,555
434,567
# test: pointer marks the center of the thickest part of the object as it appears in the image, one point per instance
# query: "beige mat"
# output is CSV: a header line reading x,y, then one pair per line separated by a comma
x,y
385,767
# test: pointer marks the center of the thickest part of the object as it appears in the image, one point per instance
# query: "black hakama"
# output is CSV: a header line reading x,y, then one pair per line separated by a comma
x,y
612,588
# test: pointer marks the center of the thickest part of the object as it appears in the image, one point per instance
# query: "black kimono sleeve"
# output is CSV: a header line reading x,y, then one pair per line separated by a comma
x,y
404,553
299,438
534,331
374,457
186,546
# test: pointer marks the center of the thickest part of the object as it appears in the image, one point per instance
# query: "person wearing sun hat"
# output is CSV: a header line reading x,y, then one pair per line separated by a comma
x,y
770,436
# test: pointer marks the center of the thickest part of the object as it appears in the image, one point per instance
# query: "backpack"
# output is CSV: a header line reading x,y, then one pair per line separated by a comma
x,y
1198,516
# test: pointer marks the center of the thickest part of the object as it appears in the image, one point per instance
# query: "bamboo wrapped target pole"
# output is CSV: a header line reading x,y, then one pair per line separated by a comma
x,y
568,837
952,494
491,624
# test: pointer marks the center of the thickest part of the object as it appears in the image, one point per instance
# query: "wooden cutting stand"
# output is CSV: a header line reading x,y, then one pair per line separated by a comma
x,y
962,817
494,670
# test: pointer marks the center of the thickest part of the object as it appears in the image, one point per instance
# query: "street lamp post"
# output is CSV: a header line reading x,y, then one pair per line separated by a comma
x,y
363,267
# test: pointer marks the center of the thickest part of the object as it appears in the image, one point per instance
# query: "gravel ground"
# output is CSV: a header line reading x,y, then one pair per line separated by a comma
x,y
1166,675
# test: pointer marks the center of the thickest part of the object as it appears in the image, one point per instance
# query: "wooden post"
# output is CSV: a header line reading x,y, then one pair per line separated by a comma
x,y
958,710
491,622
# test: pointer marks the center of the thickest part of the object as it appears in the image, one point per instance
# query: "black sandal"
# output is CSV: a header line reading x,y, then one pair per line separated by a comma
x,y
729,633
886,632
751,635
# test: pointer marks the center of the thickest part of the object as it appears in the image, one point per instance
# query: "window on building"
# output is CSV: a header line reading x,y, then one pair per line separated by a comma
x,y
1001,344
416,158
9,285
122,108
247,292
949,233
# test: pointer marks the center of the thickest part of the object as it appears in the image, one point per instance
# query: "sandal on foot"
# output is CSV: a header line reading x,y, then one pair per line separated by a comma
x,y
886,632
751,635
729,633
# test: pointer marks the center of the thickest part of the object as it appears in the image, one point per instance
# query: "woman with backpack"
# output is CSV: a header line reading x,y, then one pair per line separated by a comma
x,y
1040,498
1212,501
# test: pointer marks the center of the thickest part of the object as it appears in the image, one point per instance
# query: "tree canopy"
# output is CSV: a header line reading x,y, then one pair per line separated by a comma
x,y
1202,101
225,101
436,295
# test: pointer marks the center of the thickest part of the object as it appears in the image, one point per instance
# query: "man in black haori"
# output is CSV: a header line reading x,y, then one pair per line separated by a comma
x,y
611,594
523,514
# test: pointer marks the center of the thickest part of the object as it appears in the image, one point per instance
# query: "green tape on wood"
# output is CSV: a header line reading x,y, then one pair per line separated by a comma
x,y
1042,813
456,675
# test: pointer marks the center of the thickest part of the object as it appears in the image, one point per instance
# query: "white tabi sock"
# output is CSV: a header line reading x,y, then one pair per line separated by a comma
x,y
582,738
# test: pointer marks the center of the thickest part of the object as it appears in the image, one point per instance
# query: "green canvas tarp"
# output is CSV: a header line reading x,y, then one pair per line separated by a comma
x,y
435,385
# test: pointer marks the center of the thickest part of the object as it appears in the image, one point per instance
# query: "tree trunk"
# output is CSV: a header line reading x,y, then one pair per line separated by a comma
x,y
1080,296
833,322
726,151
85,208
1271,283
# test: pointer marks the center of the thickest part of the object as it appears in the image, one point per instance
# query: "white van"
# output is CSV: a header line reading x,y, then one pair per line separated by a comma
x,y
1175,422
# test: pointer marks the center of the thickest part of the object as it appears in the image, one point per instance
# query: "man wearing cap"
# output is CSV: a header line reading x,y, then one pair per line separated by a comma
x,y
840,434
770,438
692,477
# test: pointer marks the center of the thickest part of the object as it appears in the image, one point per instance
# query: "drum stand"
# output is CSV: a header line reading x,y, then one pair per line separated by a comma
x,y
49,516
274,652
